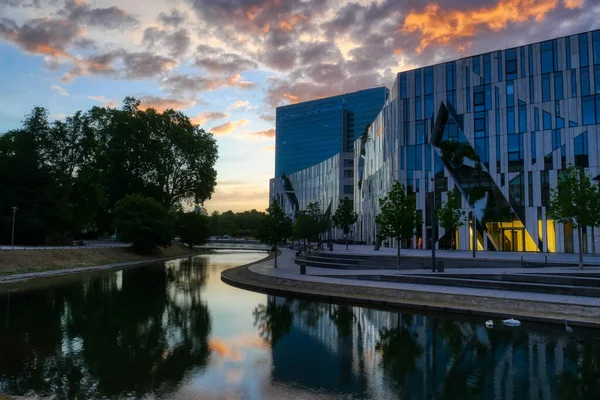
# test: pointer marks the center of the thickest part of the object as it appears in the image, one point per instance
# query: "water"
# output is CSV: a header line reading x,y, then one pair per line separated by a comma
x,y
175,331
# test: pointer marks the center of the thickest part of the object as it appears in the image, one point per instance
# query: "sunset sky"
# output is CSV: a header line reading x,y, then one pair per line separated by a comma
x,y
228,64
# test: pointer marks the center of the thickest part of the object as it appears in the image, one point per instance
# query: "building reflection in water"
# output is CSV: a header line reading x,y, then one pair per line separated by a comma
x,y
368,353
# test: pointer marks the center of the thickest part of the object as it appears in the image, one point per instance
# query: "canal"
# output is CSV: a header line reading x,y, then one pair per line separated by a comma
x,y
175,331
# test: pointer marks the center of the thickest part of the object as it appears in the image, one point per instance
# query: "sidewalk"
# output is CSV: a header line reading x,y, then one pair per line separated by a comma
x,y
554,258
289,270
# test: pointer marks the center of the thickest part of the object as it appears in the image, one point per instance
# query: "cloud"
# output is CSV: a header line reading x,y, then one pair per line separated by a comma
x,y
269,149
268,117
106,102
190,85
571,4
241,105
228,127
439,26
216,61
267,133
174,19
60,90
206,116
176,43
45,36
140,65
164,103
110,18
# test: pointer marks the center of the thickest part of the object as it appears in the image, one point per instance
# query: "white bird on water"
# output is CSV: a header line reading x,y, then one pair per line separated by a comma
x,y
568,328
512,322
489,324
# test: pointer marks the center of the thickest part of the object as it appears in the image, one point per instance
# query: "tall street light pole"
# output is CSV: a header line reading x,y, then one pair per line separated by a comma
x,y
12,240
433,225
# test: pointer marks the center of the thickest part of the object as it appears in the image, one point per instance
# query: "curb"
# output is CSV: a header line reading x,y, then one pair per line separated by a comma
x,y
332,296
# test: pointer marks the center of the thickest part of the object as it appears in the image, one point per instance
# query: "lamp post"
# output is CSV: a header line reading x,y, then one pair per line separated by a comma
x,y
12,240
433,226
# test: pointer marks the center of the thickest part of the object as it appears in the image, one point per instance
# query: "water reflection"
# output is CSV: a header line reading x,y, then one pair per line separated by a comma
x,y
133,332
175,331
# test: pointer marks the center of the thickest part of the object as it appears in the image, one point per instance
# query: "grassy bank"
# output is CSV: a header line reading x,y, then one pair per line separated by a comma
x,y
23,261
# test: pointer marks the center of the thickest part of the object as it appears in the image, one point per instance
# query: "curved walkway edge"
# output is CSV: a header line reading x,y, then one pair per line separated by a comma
x,y
485,307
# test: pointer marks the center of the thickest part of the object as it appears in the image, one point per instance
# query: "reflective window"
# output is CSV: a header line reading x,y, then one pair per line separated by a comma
x,y
349,174
547,120
476,65
487,69
585,81
450,76
533,148
522,117
480,120
588,110
572,124
418,112
420,126
573,83
598,109
545,186
536,118
597,79
510,120
427,157
499,57
418,157
596,40
583,50
546,87
511,64
530,55
482,149
451,98
429,80
468,91
531,90
403,91
515,152
558,85
428,106
418,82
479,98
510,93
581,150
556,139
547,57
522,52
568,51
497,110
560,122
348,189
498,153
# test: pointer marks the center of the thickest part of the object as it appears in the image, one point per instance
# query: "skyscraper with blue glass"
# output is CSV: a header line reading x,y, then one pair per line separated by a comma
x,y
311,132
498,128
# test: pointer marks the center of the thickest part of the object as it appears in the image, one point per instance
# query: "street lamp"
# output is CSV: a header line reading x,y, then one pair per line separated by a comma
x,y
12,240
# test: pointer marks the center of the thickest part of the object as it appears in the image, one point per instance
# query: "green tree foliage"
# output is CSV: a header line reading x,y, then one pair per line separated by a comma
x,y
144,222
344,217
193,228
241,224
572,201
73,172
449,215
310,223
398,218
275,228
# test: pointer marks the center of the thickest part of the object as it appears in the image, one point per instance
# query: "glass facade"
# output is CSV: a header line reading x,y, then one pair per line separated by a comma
x,y
311,132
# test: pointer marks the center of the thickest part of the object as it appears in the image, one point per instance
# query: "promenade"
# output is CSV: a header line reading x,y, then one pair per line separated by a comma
x,y
346,285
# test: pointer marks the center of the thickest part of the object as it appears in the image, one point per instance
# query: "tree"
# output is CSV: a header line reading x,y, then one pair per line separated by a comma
x,y
144,222
193,228
572,201
595,214
311,223
398,218
275,228
273,320
449,215
344,217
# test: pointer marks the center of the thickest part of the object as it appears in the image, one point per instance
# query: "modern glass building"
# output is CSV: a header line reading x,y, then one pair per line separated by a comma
x,y
497,127
311,132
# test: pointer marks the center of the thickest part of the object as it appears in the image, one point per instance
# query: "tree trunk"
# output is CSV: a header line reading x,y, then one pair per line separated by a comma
x,y
580,240
275,256
593,241
398,246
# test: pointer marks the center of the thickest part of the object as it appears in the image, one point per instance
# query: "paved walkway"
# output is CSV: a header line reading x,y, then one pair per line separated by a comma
x,y
553,258
289,270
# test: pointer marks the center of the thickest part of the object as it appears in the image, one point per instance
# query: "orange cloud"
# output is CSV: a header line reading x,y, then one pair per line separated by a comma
x,y
266,133
288,24
161,104
291,97
571,4
224,350
206,116
228,126
442,26
269,149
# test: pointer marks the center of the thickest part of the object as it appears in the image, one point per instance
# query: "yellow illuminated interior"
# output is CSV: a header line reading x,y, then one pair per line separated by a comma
x,y
551,235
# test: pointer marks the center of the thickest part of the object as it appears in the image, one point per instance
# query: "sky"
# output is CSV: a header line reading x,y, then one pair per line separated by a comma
x,y
228,64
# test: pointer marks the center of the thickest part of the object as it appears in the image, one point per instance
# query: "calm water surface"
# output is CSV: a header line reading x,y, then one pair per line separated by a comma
x,y
175,331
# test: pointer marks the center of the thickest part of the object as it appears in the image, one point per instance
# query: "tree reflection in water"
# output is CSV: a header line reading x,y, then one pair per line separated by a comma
x,y
133,332
273,320
583,381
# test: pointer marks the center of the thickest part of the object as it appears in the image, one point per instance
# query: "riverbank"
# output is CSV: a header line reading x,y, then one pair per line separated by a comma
x,y
31,262
287,283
